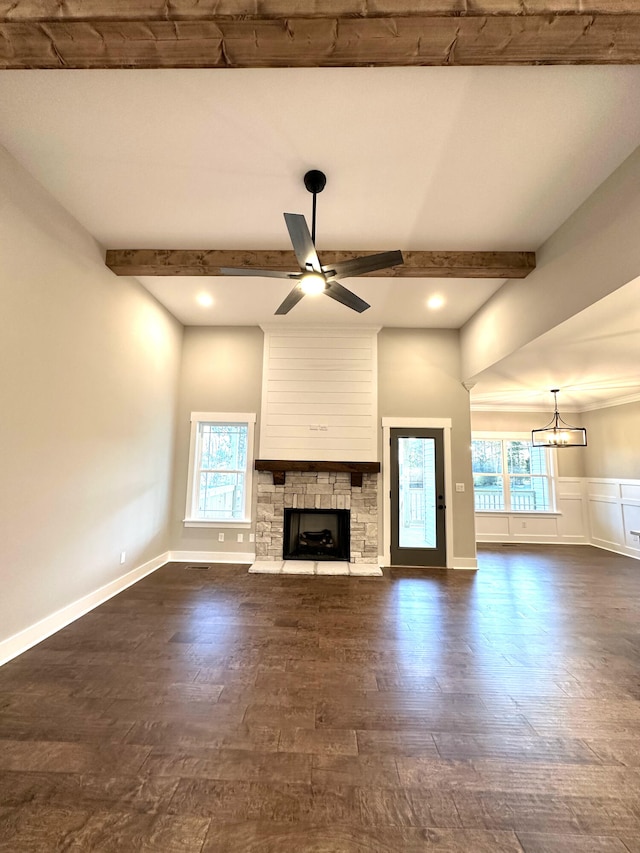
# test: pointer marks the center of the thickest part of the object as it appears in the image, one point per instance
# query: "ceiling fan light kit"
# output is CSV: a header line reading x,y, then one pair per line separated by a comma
x,y
312,283
314,278
558,433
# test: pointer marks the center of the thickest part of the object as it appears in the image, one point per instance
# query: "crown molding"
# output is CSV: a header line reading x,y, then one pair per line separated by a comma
x,y
615,401
573,410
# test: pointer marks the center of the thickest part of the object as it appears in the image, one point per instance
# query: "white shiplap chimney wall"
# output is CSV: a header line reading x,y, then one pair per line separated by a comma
x,y
319,396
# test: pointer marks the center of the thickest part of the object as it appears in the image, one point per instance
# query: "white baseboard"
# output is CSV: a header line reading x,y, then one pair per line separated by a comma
x,y
29,637
468,563
211,557
618,549
488,539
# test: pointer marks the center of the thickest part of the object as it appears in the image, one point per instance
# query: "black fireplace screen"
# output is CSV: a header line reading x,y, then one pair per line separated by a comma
x,y
316,534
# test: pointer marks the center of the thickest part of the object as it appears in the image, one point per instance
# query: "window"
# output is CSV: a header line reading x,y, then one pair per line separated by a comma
x,y
510,475
220,466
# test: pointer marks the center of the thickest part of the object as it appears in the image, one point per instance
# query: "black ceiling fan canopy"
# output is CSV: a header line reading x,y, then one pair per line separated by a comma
x,y
303,242
315,181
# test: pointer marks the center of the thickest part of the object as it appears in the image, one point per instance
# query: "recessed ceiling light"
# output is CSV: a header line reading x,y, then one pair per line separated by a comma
x,y
204,299
434,302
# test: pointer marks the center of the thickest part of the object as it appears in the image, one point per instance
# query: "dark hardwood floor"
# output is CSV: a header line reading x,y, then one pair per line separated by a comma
x,y
216,711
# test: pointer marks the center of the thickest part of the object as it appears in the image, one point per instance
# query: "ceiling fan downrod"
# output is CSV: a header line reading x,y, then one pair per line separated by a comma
x,y
315,181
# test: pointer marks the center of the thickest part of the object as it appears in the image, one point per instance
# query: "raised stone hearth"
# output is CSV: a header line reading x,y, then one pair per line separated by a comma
x,y
318,490
307,567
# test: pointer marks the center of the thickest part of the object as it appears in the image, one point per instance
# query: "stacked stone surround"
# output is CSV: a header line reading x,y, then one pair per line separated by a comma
x,y
318,491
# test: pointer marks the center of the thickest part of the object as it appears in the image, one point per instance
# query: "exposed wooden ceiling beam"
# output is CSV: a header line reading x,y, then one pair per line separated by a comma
x,y
285,33
416,264
193,10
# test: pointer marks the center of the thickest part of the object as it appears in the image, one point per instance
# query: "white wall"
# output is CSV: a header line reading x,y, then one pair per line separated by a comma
x,y
88,384
613,436
221,372
419,377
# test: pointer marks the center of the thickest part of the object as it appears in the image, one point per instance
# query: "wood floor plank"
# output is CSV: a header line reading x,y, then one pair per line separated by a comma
x,y
229,764
402,807
520,749
533,842
204,733
560,815
63,757
363,770
319,741
271,837
232,801
113,832
86,791
213,710
407,742
631,843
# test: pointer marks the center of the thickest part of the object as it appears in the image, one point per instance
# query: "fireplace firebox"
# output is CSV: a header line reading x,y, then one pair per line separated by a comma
x,y
316,534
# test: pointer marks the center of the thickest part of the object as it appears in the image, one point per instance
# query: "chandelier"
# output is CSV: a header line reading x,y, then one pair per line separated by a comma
x,y
558,433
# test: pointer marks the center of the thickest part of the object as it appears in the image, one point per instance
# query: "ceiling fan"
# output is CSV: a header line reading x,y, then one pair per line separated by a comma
x,y
313,277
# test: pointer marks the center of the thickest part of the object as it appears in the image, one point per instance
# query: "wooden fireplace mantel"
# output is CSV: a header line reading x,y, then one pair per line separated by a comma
x,y
279,468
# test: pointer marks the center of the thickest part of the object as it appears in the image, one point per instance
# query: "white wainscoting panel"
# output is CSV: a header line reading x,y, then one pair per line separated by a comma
x,y
630,491
604,512
569,524
614,512
319,395
573,523
603,489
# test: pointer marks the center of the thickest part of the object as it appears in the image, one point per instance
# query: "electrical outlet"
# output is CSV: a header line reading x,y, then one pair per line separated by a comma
x,y
123,557
240,537
524,523
459,487
252,537
220,537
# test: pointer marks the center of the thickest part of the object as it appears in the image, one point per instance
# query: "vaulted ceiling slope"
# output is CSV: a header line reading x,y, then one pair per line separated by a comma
x,y
591,256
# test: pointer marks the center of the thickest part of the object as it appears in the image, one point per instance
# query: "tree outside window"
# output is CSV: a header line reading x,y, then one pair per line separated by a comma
x,y
220,465
510,475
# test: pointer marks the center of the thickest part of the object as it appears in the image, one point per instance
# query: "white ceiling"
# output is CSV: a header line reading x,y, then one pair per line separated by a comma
x,y
420,158
594,357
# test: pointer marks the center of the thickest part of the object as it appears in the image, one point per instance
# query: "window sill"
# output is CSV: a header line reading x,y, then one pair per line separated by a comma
x,y
197,522
533,513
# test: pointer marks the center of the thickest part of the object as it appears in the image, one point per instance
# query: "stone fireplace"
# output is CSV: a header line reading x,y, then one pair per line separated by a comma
x,y
318,490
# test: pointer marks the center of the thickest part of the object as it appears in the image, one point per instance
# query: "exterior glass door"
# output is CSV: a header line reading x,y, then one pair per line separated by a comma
x,y
417,498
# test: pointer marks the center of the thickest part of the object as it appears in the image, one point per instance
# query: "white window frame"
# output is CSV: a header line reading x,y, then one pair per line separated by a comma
x,y
247,419
551,475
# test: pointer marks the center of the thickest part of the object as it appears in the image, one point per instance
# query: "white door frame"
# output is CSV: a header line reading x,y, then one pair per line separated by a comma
x,y
418,423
